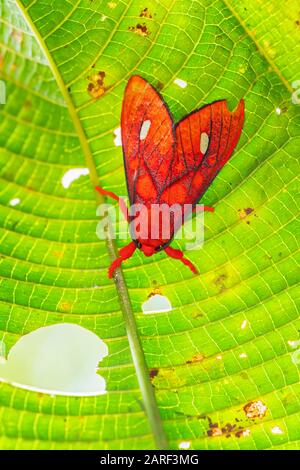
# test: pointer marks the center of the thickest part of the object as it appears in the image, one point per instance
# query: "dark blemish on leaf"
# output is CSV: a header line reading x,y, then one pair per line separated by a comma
x,y
155,291
197,315
93,66
220,282
227,430
248,210
96,86
27,104
196,358
297,22
255,409
244,375
244,212
145,13
153,373
248,223
214,429
159,86
242,432
220,37
140,29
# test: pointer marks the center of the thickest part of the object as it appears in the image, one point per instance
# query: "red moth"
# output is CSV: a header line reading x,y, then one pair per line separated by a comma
x,y
167,163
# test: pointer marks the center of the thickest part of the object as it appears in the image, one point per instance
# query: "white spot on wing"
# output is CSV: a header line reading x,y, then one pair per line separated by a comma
x,y
204,141
15,201
145,129
117,139
72,175
181,83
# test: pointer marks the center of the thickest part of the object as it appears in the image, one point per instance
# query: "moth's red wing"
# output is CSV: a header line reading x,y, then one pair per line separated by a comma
x,y
205,141
148,141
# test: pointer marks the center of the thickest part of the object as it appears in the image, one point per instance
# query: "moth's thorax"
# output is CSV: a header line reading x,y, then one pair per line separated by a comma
x,y
153,225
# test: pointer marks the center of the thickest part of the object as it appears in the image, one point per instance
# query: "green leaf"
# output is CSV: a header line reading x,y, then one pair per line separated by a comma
x,y
222,362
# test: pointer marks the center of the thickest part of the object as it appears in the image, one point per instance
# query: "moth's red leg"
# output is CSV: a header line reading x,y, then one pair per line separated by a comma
x,y
203,208
178,254
125,253
121,201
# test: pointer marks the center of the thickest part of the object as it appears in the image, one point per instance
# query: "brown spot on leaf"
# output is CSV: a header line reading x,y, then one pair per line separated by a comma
x,y
17,36
65,306
255,409
248,210
153,373
140,29
214,431
159,86
96,86
145,13
196,358
243,433
197,315
220,282
244,212
155,291
58,253
227,430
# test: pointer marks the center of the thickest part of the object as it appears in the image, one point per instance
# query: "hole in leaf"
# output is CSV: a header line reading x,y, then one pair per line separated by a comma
x,y
157,303
181,83
117,139
59,359
184,445
14,202
72,175
276,430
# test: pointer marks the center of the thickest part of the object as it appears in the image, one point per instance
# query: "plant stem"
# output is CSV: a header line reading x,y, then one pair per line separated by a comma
x,y
137,352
